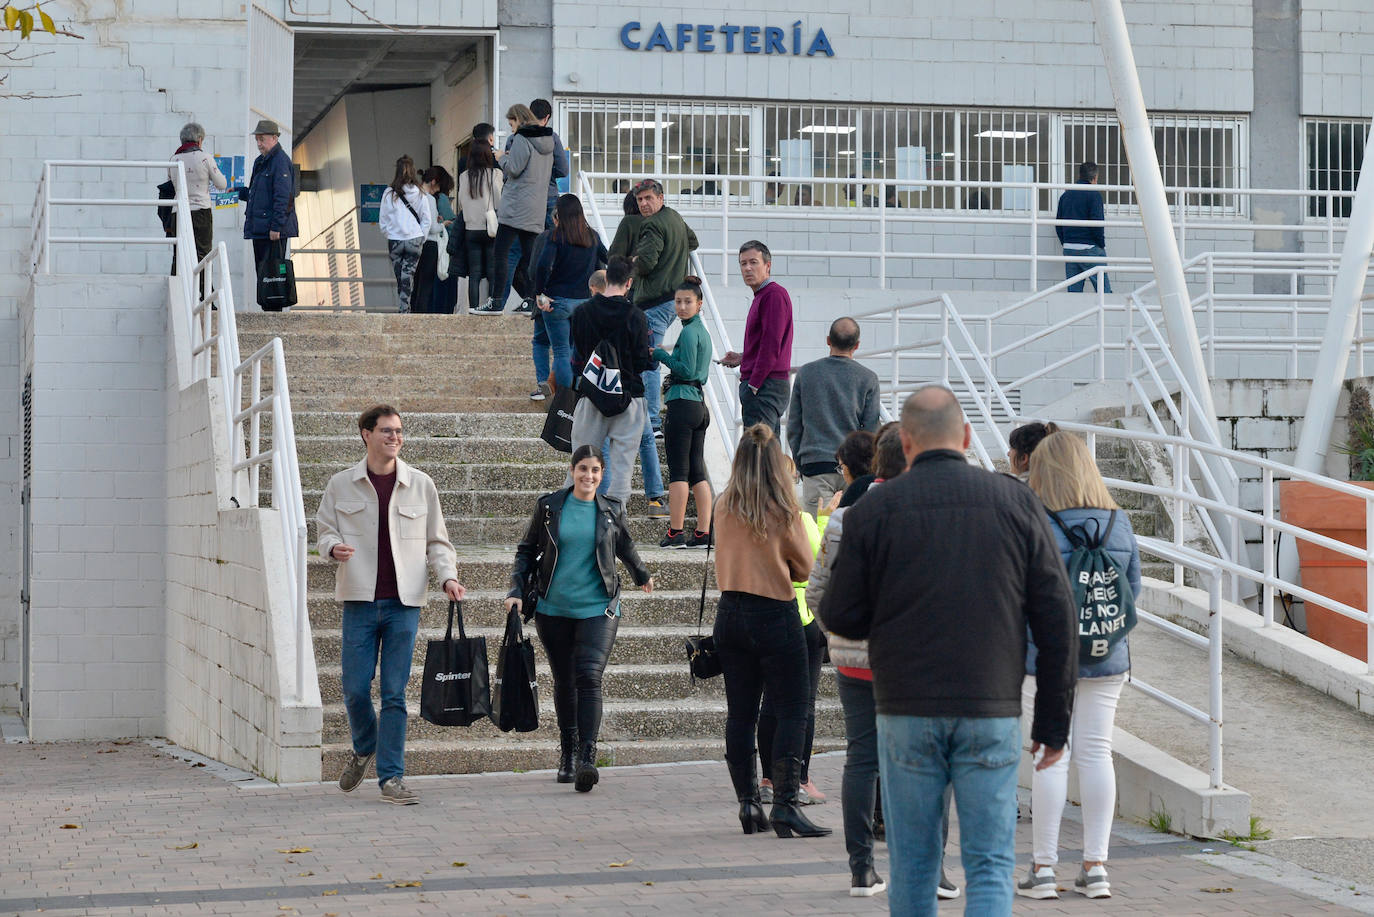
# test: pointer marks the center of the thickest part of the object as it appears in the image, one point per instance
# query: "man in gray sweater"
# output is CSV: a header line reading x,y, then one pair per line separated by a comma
x,y
831,398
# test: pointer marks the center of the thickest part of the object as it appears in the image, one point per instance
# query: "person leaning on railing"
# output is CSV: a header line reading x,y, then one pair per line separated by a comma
x,y
201,173
1065,477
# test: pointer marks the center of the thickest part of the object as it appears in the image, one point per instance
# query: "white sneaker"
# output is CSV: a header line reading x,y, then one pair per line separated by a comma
x,y
1093,882
1039,883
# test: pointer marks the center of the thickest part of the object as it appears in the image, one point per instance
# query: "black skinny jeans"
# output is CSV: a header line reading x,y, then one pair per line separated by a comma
x,y
578,649
684,440
762,647
481,264
768,720
426,275
505,238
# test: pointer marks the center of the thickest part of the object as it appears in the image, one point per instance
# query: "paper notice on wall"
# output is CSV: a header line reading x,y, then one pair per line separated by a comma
x,y
232,167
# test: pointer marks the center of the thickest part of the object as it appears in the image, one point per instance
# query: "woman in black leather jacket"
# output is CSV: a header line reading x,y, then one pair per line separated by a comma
x,y
565,566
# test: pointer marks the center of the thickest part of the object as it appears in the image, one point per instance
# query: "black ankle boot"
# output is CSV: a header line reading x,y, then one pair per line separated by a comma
x,y
567,753
745,779
586,776
787,818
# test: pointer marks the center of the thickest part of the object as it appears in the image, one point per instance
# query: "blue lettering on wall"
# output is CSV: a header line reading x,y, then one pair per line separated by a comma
x,y
702,38
660,39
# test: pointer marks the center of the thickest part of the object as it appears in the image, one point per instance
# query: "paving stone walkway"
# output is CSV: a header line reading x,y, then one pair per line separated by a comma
x,y
116,829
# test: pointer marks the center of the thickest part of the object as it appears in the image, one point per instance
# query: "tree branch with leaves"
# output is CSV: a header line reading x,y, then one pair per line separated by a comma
x,y
25,20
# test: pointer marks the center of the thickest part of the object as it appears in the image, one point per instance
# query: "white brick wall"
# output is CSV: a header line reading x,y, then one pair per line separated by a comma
x,y
1336,78
986,54
97,524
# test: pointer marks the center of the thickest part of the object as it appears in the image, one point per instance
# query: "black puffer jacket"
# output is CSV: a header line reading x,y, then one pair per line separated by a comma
x,y
540,544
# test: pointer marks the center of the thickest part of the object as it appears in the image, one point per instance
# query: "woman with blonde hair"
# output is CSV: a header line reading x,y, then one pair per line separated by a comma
x,y
762,549
1065,477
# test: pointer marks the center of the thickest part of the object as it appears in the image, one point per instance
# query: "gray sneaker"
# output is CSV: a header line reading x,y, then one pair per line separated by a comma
x,y
354,771
395,790
1039,883
1093,882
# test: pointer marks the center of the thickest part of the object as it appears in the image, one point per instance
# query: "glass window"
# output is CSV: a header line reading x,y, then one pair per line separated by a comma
x,y
1335,153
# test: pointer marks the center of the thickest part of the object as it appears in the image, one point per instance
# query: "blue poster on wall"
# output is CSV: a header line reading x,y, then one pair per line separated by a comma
x,y
232,167
370,203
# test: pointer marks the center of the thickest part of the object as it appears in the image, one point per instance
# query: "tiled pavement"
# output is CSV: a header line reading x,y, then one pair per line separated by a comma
x,y
157,835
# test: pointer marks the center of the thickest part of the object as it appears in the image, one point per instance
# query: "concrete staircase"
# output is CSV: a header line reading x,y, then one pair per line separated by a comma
x,y
462,385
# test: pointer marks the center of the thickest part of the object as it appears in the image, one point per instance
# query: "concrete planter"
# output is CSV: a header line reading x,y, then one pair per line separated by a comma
x,y
1341,517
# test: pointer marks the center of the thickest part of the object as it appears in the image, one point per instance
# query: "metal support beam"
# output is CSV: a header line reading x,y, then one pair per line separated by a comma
x,y
1334,356
1110,24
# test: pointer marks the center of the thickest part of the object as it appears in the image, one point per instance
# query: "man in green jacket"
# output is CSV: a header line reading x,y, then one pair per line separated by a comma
x,y
660,251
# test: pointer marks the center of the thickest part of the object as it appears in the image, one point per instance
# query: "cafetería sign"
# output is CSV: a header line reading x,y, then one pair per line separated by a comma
x,y
729,39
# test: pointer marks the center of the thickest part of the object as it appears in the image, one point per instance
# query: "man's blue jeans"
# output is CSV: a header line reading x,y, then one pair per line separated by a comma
x,y
919,757
1072,268
659,318
383,629
551,335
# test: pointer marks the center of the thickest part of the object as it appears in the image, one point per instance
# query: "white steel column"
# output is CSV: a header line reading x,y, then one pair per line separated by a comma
x,y
1329,375
1110,23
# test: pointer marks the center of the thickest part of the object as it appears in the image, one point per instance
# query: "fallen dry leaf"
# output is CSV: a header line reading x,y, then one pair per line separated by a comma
x,y
618,865
108,751
199,764
293,850
460,863
405,885
308,872
332,891
70,826
648,883
191,846
1218,891
377,876
285,907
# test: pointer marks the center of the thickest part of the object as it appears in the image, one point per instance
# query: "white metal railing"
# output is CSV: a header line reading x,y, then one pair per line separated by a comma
x,y
714,213
208,303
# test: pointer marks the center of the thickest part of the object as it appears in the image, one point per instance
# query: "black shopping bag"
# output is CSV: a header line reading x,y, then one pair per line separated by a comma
x,y
514,700
455,690
276,279
558,422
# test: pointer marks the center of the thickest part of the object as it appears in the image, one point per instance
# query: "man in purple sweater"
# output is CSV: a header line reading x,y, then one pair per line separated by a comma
x,y
767,356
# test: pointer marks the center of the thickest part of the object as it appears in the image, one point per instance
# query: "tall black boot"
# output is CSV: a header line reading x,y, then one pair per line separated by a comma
x,y
567,753
787,817
586,775
746,781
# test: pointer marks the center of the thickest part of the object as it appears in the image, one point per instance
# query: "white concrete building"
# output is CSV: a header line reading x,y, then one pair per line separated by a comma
x,y
1245,94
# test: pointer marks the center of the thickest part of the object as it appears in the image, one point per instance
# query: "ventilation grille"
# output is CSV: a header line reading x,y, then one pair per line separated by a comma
x,y
354,264
27,401
331,243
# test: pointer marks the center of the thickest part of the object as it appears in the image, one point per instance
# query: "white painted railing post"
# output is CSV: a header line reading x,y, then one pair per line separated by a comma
x,y
1214,661
1035,240
725,235
1267,603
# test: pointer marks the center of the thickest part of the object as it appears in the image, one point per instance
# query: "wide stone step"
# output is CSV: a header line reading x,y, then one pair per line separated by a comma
x,y
485,607
526,423
496,361
633,642
476,485
489,569
419,344
508,530
695,717
424,451
398,389
408,401
459,754
623,681
360,325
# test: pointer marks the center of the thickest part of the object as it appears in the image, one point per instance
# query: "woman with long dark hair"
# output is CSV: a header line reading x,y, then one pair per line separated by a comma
x,y
528,166
686,420
479,190
440,185
571,253
762,550
405,219
571,546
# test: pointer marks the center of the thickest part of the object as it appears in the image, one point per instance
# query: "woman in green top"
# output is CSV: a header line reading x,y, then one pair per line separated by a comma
x,y
569,550
686,420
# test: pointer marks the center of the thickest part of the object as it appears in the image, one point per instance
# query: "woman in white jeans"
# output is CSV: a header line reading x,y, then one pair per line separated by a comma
x,y
1064,476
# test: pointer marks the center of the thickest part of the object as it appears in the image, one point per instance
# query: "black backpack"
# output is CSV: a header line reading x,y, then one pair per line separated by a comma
x,y
601,382
167,214
1106,605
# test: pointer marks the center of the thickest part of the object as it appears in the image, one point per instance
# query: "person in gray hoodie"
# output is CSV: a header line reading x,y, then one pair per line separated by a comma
x,y
526,168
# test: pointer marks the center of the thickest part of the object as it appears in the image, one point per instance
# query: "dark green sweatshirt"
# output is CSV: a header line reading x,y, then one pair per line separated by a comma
x,y
662,244
690,360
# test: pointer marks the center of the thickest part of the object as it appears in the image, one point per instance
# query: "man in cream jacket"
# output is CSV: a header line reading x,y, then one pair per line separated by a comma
x,y
381,522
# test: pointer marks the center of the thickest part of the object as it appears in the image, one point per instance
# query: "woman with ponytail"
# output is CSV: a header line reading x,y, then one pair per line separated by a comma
x,y
762,550
686,420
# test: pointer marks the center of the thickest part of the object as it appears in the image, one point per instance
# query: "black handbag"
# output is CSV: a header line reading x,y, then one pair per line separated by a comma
x,y
276,279
455,691
515,700
703,661
558,423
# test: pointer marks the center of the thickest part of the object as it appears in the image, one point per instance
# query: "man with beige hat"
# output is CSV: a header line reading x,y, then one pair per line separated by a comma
x,y
270,215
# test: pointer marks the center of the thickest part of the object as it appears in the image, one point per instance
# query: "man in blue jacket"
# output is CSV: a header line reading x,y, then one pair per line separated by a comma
x,y
270,216
1082,241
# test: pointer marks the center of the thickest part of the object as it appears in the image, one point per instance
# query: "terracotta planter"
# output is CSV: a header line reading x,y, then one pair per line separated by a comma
x,y
1341,517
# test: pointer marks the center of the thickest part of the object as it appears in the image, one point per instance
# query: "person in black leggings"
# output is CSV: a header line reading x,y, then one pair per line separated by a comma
x,y
571,545
686,420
